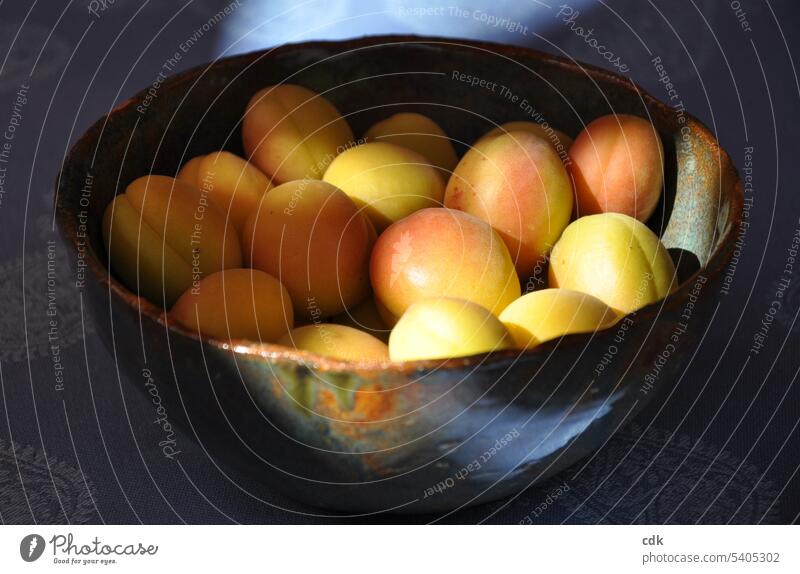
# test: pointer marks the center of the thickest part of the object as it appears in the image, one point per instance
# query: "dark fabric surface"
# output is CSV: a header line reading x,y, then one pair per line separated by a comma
x,y
720,446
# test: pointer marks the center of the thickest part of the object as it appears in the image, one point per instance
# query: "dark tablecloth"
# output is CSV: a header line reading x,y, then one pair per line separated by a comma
x,y
721,446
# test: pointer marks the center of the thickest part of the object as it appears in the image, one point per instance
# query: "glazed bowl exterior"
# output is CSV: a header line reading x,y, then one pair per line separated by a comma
x,y
412,437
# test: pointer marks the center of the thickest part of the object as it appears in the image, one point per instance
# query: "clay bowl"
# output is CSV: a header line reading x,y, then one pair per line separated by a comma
x,y
413,437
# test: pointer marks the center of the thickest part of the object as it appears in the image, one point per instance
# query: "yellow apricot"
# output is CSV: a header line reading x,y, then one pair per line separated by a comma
x,y
233,185
420,134
337,341
366,317
550,313
441,252
140,256
312,237
614,257
445,327
618,166
560,141
191,170
163,234
292,133
387,181
517,183
236,304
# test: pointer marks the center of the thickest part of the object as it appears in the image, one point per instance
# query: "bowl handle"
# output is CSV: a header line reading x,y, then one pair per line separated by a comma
x,y
705,187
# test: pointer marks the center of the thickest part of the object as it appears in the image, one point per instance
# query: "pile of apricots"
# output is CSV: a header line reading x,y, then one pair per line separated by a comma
x,y
391,247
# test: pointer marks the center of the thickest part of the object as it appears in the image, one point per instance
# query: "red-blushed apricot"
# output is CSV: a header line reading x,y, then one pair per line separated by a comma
x,y
560,141
442,252
614,257
420,134
236,304
517,183
550,313
233,185
446,327
292,133
387,181
337,341
311,236
617,167
164,235
366,317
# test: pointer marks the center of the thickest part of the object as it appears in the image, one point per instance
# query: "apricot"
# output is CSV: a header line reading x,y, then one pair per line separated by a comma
x,y
233,185
312,237
190,171
550,313
366,317
618,166
420,134
387,181
236,304
441,252
560,141
445,327
517,183
292,133
163,237
614,257
337,341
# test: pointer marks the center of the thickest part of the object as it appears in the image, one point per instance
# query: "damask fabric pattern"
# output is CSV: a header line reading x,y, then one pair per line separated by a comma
x,y
78,442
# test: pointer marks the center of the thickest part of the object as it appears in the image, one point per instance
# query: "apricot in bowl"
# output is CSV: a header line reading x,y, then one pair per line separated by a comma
x,y
517,183
163,236
311,237
387,181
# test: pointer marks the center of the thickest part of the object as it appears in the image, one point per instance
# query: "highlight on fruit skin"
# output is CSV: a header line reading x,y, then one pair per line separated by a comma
x,y
236,304
233,185
446,327
292,133
617,167
336,341
441,252
163,236
548,314
420,134
614,257
387,181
